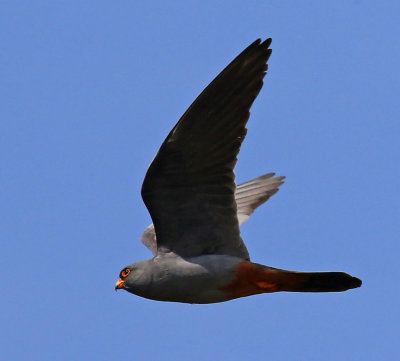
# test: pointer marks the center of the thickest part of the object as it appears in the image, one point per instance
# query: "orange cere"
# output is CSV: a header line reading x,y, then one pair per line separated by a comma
x,y
120,284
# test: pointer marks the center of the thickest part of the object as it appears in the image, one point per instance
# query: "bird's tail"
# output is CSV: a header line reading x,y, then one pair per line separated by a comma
x,y
321,282
309,281
253,278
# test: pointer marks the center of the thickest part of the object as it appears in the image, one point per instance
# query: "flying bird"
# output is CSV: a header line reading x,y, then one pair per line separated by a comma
x,y
196,207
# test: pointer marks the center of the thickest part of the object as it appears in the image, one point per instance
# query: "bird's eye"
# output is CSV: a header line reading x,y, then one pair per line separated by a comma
x,y
125,272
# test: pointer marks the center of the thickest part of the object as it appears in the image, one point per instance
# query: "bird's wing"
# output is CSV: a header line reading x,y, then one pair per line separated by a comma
x,y
189,188
149,239
253,193
248,196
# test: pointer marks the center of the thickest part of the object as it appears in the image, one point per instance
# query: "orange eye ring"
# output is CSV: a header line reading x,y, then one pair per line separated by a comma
x,y
125,272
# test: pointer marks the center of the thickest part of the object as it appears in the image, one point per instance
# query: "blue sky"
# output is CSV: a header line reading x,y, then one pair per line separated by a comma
x,y
89,90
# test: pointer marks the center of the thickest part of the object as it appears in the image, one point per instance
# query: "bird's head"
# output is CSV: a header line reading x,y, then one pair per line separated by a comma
x,y
132,278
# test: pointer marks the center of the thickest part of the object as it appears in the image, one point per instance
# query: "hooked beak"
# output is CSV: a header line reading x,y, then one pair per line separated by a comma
x,y
120,284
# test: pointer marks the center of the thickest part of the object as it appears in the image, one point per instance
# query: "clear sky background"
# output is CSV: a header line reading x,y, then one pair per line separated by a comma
x,y
89,90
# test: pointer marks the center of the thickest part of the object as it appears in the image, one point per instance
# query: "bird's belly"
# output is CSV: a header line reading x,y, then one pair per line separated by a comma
x,y
195,280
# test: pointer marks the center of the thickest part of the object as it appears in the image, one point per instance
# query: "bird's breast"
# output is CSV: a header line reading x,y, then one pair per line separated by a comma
x,y
194,280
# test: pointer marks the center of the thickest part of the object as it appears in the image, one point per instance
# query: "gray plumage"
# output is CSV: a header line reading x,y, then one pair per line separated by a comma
x,y
189,188
248,197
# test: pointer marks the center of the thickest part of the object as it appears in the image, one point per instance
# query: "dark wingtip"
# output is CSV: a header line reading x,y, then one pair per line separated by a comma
x,y
267,42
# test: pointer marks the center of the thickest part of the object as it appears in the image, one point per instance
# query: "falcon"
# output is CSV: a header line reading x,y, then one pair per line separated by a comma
x,y
196,207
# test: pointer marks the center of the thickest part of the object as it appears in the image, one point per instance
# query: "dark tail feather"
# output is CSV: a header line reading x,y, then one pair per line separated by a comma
x,y
328,282
275,279
318,281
